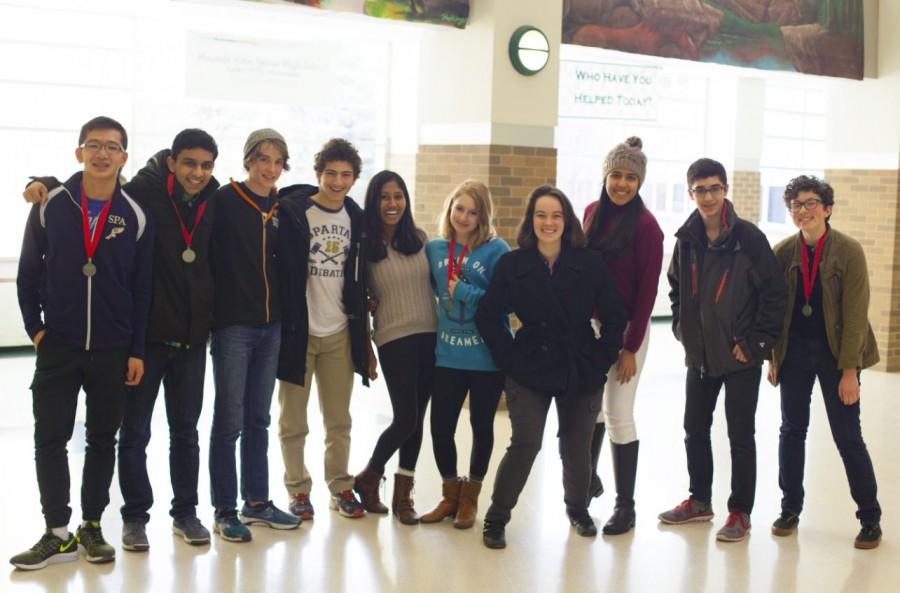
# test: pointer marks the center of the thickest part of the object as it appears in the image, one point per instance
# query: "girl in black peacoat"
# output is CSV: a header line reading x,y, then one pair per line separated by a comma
x,y
554,286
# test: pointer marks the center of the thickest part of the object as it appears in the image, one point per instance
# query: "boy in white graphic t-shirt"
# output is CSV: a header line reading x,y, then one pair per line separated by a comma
x,y
324,326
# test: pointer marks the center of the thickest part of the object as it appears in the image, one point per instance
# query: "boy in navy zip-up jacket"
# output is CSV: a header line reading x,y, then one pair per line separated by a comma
x,y
84,291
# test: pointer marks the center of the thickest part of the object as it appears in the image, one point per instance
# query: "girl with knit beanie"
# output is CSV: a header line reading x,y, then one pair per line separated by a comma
x,y
619,226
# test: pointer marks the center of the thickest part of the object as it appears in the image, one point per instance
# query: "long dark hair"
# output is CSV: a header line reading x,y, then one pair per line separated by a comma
x,y
572,235
408,238
616,239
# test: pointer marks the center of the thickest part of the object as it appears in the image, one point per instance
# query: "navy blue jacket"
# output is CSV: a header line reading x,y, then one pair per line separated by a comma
x,y
108,310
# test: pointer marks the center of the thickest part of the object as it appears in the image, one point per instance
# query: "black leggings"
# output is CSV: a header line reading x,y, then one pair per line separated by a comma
x,y
450,389
408,367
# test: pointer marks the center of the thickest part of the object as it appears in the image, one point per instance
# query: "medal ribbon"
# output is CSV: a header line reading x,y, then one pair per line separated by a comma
x,y
188,236
450,268
91,242
266,216
809,278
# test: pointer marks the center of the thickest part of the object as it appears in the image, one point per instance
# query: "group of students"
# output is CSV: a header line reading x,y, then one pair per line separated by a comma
x,y
122,286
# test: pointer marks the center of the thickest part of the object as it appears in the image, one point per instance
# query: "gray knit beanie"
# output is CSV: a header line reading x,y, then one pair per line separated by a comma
x,y
264,135
628,156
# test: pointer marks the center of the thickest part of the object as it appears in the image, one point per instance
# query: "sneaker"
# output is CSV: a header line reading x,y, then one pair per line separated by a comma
x,y
494,535
869,537
687,512
229,527
346,504
49,550
269,515
785,524
301,506
90,539
736,528
191,530
134,537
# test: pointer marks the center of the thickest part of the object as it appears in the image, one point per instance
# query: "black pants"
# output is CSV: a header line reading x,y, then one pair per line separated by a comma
x,y
60,372
181,371
807,360
528,415
741,396
408,367
449,393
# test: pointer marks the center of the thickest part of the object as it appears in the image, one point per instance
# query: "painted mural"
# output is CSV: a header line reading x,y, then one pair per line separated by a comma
x,y
454,13
823,37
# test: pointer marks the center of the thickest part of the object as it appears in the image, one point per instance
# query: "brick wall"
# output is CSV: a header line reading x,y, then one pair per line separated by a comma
x,y
867,207
745,192
511,172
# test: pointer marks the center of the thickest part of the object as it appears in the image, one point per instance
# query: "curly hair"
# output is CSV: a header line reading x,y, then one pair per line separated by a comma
x,y
808,183
338,149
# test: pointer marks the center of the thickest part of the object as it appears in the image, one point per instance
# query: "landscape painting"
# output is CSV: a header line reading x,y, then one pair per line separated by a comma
x,y
823,37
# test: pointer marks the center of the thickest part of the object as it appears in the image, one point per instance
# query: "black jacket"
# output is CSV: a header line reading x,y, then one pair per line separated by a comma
x,y
182,302
244,260
555,351
725,293
293,268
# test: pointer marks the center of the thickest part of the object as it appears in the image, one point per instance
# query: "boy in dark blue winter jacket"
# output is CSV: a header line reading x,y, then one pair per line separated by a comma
x,y
84,286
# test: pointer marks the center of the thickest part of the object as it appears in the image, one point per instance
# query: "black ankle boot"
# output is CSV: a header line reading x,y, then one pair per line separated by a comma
x,y
582,522
596,488
494,535
625,469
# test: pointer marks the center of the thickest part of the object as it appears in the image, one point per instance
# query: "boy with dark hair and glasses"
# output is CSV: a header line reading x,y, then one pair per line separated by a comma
x,y
728,301
174,187
84,285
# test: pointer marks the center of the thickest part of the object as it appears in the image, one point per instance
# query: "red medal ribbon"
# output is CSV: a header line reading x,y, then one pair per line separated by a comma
x,y
450,268
809,278
188,236
91,242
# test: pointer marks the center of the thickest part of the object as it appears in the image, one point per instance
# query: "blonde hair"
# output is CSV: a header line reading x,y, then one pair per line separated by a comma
x,y
481,195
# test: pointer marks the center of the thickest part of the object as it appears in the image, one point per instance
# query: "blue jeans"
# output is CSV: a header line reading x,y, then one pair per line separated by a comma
x,y
807,360
245,360
181,371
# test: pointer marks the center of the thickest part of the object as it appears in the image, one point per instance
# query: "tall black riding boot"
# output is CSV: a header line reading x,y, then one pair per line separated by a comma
x,y
625,470
596,488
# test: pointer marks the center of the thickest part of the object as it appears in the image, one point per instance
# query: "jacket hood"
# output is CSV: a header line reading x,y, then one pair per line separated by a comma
x,y
693,229
301,192
156,171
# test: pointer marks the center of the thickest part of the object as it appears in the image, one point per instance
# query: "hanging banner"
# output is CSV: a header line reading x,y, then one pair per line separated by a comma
x,y
454,13
823,37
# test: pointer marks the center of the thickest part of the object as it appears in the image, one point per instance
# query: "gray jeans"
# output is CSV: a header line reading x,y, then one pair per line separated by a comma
x,y
528,415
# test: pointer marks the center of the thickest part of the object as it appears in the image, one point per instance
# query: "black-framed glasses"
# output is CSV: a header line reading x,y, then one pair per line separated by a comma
x,y
808,205
716,191
96,146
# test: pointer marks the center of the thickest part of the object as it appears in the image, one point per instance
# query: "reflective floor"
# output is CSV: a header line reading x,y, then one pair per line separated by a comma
x,y
377,553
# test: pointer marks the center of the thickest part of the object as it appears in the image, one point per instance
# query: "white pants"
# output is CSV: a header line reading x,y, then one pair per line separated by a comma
x,y
618,400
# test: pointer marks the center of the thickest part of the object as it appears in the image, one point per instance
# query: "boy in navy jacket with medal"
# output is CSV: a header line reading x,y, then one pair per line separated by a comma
x,y
84,291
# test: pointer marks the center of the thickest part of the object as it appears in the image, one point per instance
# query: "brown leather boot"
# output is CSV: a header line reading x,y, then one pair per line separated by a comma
x,y
366,485
449,502
468,504
402,505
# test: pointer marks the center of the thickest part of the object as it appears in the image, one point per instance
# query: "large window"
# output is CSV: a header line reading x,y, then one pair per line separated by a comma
x,y
159,67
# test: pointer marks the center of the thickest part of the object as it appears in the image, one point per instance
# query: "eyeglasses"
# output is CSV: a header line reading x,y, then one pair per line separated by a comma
x,y
716,191
808,205
95,146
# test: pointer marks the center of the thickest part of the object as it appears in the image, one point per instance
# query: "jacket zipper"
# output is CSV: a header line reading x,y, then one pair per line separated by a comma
x,y
694,281
721,286
87,337
264,266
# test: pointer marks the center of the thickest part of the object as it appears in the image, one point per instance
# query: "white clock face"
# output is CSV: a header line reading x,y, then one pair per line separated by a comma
x,y
534,50
529,50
